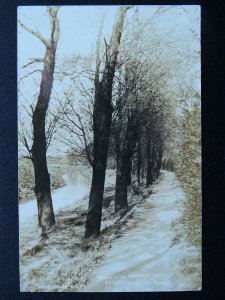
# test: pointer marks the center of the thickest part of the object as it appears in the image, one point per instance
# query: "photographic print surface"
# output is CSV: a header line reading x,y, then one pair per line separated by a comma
x,y
109,140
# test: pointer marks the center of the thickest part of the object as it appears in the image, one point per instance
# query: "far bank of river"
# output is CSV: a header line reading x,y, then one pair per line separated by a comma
x,y
78,184
61,172
77,178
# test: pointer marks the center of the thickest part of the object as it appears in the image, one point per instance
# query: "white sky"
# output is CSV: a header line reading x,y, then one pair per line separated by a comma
x,y
79,27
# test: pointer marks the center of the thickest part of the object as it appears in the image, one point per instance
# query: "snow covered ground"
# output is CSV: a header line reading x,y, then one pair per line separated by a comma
x,y
152,253
145,250
45,265
75,190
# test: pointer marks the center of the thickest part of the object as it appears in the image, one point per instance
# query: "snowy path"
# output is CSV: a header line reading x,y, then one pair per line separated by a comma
x,y
152,254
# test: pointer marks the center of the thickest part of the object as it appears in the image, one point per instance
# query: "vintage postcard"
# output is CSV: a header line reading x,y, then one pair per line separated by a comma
x,y
109,141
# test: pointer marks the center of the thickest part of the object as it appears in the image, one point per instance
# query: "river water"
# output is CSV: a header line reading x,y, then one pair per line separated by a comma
x,y
78,186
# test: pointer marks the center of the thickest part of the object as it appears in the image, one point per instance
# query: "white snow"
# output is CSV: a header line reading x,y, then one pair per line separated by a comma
x,y
76,189
149,253
61,198
146,258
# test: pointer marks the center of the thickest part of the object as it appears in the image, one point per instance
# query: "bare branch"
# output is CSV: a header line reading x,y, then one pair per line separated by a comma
x,y
52,11
32,61
27,75
28,112
98,45
35,33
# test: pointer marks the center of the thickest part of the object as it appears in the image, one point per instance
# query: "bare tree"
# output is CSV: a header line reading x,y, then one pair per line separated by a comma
x,y
133,114
125,124
74,127
46,218
102,118
25,131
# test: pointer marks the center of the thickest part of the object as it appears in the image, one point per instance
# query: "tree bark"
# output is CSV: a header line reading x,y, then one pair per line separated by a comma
x,y
159,162
150,162
102,119
46,218
139,162
122,174
93,222
129,168
124,164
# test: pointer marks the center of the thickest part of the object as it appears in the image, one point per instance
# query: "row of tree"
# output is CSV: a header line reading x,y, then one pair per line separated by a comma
x,y
116,104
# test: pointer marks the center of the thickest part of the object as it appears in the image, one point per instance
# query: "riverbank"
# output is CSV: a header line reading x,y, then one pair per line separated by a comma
x,y
62,172
148,240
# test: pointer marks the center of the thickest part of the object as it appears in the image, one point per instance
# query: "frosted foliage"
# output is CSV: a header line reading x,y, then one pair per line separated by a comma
x,y
155,243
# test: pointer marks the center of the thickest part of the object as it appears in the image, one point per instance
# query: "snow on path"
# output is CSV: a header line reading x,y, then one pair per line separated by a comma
x,y
145,257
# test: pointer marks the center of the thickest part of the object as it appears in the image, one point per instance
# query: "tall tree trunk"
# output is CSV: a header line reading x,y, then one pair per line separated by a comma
x,y
122,174
150,162
139,162
102,119
159,162
46,218
124,164
129,169
93,222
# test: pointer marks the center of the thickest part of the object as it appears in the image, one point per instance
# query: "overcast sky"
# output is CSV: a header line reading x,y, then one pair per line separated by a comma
x,y
79,26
